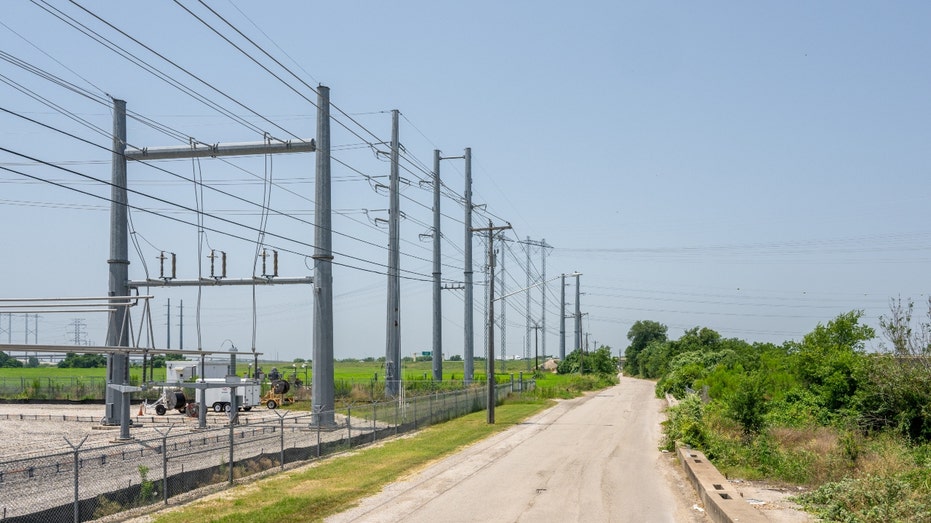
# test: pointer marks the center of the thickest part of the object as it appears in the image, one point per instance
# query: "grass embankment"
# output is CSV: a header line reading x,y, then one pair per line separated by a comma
x,y
339,483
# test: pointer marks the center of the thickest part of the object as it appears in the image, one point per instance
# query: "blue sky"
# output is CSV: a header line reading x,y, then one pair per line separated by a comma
x,y
753,168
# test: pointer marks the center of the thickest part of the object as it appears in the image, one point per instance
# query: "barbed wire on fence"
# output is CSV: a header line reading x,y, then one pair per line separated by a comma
x,y
89,483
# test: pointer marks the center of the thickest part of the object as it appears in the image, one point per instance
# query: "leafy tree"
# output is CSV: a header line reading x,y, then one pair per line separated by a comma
x,y
641,335
830,360
747,404
652,361
83,361
8,361
597,362
455,357
898,390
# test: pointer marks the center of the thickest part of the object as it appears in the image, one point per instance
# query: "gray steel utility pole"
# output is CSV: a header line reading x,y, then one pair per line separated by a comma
x,y
491,398
504,315
393,339
562,317
536,345
437,288
181,325
117,405
578,315
199,150
527,307
543,247
168,326
323,382
468,347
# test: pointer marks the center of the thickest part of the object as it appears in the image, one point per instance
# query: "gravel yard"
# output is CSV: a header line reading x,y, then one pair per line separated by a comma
x,y
37,470
37,429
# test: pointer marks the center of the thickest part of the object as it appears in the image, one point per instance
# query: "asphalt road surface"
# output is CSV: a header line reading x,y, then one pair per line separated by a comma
x,y
589,459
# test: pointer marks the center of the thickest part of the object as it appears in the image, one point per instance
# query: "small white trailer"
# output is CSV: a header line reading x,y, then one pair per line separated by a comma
x,y
248,393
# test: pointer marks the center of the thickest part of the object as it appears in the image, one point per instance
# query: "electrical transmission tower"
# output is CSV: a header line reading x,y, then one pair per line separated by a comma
x,y
541,282
78,332
9,327
34,330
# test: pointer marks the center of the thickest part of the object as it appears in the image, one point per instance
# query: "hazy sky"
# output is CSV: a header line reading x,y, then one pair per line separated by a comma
x,y
753,168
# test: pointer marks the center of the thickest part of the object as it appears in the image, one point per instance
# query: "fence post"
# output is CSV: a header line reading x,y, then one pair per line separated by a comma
x,y
77,459
281,436
349,424
397,408
165,462
232,427
374,418
318,438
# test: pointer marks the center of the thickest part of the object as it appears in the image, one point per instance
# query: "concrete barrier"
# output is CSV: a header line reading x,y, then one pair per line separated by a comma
x,y
723,503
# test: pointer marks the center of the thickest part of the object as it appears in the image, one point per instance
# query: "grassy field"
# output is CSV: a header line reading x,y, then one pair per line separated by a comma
x,y
339,483
357,379
347,370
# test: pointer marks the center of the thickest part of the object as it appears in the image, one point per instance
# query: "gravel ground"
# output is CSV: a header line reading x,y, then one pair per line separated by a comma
x,y
38,429
36,462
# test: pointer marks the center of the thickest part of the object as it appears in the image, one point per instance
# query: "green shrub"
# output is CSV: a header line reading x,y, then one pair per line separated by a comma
x,y
873,499
747,405
685,424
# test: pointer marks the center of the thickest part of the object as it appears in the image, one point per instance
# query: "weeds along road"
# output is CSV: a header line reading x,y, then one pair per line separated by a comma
x,y
589,459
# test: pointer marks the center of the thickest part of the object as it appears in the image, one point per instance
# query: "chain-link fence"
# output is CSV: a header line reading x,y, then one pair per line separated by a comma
x,y
80,484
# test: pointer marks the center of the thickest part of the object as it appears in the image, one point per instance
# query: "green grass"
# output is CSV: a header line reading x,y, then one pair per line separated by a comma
x,y
354,379
339,483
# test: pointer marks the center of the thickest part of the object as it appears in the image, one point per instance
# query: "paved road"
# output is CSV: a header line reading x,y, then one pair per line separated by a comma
x,y
589,459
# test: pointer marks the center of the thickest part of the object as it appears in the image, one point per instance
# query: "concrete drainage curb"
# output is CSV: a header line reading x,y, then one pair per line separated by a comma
x,y
723,503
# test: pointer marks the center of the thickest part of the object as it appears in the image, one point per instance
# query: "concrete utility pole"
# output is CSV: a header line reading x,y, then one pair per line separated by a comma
x,y
437,288
491,384
117,404
323,382
468,347
562,317
393,343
